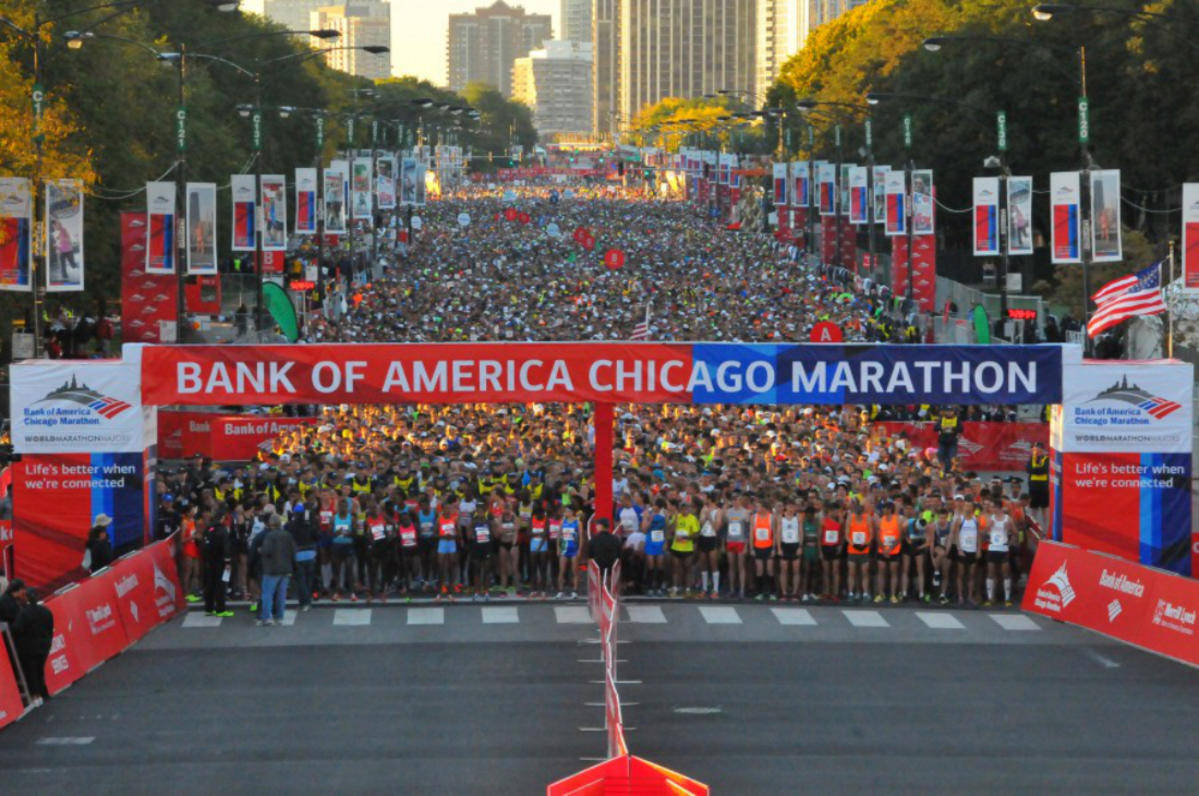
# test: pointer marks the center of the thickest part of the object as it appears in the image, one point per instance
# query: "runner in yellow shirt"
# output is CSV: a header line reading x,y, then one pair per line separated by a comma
x,y
682,547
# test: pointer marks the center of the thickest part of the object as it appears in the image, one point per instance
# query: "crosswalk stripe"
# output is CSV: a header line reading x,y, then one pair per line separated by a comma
x,y
865,619
426,616
793,616
197,619
500,615
939,620
572,614
1014,622
352,616
289,618
646,614
719,615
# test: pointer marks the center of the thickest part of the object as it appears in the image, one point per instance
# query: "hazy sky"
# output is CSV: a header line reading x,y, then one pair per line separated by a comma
x,y
418,31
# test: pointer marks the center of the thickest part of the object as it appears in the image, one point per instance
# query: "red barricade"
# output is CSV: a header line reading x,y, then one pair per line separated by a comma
x,y
220,437
982,446
1146,607
11,706
70,652
146,587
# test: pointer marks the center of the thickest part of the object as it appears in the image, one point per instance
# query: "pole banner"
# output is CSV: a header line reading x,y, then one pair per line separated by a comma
x,y
360,188
1064,195
843,189
859,210
160,226
306,192
1190,235
64,236
620,372
1106,243
878,204
245,195
923,212
896,195
385,182
334,196
408,174
827,179
16,241
201,228
780,184
986,216
1019,215
802,189
274,213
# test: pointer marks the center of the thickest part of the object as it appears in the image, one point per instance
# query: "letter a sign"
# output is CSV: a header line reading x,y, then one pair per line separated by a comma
x,y
826,332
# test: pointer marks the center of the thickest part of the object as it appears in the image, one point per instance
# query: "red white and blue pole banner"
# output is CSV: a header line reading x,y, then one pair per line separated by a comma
x,y
827,179
360,188
64,236
702,373
1019,215
201,228
385,181
802,175
1106,243
878,194
16,233
859,198
923,210
334,196
843,189
986,216
306,192
896,195
160,228
245,203
780,184
1064,201
274,213
1190,236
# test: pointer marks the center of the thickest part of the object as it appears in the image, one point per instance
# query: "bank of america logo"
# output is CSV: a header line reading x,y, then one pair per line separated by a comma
x,y
1153,405
1113,610
104,405
1061,581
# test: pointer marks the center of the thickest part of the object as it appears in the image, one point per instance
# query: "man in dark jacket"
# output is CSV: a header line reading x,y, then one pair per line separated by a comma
x,y
33,633
604,547
12,601
278,554
302,528
214,545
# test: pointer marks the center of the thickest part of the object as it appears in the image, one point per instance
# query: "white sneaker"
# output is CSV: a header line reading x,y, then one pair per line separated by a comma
x,y
574,595
305,607
560,595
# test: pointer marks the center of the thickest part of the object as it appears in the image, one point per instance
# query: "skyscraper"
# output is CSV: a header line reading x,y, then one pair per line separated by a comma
x,y
555,82
685,48
576,20
783,29
291,14
361,24
605,67
482,46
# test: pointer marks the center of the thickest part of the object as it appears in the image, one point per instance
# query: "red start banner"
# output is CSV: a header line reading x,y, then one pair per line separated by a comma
x,y
223,438
981,446
1149,608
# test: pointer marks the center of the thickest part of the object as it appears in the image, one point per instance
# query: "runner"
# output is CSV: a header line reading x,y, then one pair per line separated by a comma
x,y
915,550
890,542
572,540
790,535
941,534
764,536
736,531
860,531
966,539
654,525
832,544
682,546
999,533
409,557
509,553
810,566
709,546
539,553
448,539
481,551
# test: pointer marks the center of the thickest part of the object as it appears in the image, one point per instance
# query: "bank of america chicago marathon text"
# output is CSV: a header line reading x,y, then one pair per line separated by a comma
x,y
51,416
39,475
555,376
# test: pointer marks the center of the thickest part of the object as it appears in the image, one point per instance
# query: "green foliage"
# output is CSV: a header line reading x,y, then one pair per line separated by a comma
x,y
502,122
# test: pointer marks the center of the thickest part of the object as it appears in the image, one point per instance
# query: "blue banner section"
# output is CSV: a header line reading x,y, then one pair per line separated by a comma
x,y
876,374
1166,511
117,491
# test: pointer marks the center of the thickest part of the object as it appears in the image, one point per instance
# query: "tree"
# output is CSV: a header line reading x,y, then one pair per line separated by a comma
x,y
502,122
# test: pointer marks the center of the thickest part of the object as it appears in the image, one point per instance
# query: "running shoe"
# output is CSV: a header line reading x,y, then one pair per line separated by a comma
x,y
1007,603
223,613
574,595
254,608
926,598
878,598
193,598
986,604
943,600
353,598
264,622
894,600
560,596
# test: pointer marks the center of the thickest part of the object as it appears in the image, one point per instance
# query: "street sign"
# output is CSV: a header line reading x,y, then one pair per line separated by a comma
x,y
837,131
320,133
1084,121
907,130
350,131
374,132
256,130
1001,131
181,129
869,134
38,94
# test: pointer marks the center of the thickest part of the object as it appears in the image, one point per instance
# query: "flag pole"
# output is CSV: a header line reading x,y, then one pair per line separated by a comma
x,y
1169,313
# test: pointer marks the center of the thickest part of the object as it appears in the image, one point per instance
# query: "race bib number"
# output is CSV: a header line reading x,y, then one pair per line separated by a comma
x,y
657,536
555,531
707,530
859,538
998,538
762,534
830,537
377,531
408,537
326,518
791,535
735,531
482,534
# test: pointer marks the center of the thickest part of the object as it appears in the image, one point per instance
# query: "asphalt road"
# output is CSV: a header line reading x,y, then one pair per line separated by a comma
x,y
749,700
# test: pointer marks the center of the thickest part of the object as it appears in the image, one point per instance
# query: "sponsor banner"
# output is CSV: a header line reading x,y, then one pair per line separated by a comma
x,y
201,228
895,194
828,239
924,272
1106,244
859,200
245,194
385,182
306,193
616,372
780,184
16,242
826,177
1190,235
1128,407
274,212
1151,609
146,299
219,437
1019,215
334,197
878,194
986,216
160,228
146,589
724,168
63,244
923,213
11,706
843,189
360,188
67,407
1064,201
70,648
802,187
981,446
409,174
899,265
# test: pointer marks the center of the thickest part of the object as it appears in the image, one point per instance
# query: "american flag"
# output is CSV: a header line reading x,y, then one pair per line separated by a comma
x,y
641,330
1129,296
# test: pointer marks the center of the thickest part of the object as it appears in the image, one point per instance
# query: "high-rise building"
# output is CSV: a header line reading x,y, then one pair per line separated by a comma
x,y
361,24
575,20
605,67
482,46
555,82
685,48
784,27
291,14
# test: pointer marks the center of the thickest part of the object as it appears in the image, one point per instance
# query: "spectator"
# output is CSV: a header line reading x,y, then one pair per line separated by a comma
x,y
218,559
604,547
12,600
278,553
303,532
99,546
33,634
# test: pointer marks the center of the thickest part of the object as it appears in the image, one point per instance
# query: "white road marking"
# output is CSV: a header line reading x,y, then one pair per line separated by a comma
x,y
352,616
720,614
1014,622
426,616
1102,660
697,711
793,616
940,620
66,740
500,615
197,619
866,619
646,614
572,614
289,618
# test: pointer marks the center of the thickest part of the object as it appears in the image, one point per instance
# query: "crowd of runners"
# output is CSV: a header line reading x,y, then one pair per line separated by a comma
x,y
474,501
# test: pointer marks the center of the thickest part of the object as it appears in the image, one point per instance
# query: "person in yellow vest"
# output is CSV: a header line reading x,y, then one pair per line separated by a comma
x,y
949,428
1038,483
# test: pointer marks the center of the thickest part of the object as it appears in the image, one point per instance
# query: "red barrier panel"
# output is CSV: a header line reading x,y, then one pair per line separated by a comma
x,y
11,707
1146,607
146,588
982,446
219,437
70,651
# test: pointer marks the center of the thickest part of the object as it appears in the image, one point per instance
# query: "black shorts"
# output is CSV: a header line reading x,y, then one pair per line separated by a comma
x,y
910,549
998,556
763,553
428,545
830,552
967,558
790,550
706,543
480,552
680,554
1038,495
881,556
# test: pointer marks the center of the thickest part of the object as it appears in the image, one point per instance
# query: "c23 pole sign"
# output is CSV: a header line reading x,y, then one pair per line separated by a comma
x,y
605,372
